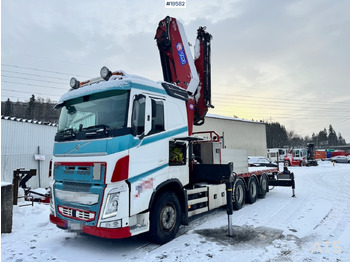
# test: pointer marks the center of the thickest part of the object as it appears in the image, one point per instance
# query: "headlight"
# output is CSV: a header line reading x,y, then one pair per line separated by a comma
x,y
111,207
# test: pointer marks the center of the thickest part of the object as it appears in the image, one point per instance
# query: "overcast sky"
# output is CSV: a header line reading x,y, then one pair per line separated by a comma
x,y
285,61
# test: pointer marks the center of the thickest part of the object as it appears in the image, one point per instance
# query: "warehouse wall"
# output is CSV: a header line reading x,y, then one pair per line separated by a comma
x,y
238,134
19,144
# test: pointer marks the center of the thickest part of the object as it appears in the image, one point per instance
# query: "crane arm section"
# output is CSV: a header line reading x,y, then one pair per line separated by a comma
x,y
175,55
202,63
180,69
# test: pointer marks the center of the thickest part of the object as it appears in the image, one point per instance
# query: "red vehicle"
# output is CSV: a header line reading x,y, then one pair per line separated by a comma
x,y
296,157
301,157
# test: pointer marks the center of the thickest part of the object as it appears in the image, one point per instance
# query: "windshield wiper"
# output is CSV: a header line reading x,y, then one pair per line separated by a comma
x,y
96,130
66,134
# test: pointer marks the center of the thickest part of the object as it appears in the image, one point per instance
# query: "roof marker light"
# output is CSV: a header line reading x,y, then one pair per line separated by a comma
x,y
74,83
105,73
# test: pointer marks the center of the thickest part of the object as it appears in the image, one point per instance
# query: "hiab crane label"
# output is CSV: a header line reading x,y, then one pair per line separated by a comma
x,y
181,53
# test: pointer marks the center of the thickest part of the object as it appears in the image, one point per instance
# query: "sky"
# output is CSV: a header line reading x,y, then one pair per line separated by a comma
x,y
271,60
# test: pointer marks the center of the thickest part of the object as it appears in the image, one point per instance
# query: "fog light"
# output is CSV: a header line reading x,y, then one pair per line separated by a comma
x,y
74,83
105,73
112,224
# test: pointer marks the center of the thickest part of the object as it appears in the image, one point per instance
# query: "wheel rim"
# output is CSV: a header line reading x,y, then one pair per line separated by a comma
x,y
252,189
263,183
239,194
168,217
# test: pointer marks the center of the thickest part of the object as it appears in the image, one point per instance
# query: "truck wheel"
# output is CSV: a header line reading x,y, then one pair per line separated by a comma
x,y
263,186
165,218
238,195
252,192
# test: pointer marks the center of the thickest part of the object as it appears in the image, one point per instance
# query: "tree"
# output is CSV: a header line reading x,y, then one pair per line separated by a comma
x,y
295,140
322,138
276,135
341,140
8,107
332,137
31,108
39,109
314,139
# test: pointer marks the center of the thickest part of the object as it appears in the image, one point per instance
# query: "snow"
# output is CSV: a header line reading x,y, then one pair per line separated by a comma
x,y
3,183
313,226
231,118
197,49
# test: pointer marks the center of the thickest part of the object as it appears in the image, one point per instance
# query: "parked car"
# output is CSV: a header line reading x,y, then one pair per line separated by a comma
x,y
260,161
340,159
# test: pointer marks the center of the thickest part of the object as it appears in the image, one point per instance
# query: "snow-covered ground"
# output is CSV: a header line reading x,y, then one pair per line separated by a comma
x,y
313,226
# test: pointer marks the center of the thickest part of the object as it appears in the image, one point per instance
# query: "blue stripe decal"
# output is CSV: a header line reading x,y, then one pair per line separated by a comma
x,y
108,146
146,174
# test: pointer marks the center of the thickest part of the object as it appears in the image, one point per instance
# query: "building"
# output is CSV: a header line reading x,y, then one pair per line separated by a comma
x,y
238,133
26,144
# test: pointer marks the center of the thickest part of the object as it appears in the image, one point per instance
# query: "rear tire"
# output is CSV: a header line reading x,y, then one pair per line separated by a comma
x,y
263,186
238,194
165,218
252,192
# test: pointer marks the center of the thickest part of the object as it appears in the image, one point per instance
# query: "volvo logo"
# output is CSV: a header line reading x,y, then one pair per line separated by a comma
x,y
77,147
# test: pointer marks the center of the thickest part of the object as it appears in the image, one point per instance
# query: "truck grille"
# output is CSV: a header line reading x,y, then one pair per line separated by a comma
x,y
76,187
76,213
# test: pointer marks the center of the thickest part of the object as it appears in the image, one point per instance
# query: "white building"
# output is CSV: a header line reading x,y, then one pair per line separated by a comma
x,y
21,142
238,133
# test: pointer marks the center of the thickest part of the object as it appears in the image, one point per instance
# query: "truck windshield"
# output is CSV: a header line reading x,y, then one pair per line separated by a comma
x,y
94,116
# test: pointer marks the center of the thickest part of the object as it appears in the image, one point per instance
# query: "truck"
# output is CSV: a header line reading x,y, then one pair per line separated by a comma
x,y
301,156
296,157
276,154
126,160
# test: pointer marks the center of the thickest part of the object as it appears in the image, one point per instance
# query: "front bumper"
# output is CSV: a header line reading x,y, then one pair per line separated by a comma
x,y
112,233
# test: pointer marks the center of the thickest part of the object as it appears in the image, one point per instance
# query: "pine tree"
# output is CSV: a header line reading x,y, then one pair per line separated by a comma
x,y
322,138
332,137
31,108
8,107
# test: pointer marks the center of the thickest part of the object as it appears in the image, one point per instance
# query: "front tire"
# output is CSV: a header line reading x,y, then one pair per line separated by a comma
x,y
165,218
